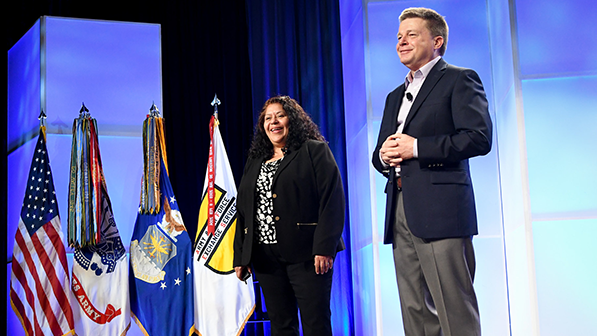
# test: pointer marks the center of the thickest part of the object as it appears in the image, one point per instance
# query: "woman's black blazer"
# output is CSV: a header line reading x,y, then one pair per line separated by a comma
x,y
308,205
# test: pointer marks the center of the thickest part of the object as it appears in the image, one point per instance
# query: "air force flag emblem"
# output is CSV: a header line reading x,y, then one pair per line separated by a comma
x,y
151,254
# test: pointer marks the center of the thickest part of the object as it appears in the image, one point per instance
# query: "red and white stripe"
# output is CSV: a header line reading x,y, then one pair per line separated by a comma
x,y
39,289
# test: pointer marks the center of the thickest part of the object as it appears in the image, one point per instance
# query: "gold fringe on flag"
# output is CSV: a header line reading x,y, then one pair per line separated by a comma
x,y
154,152
86,178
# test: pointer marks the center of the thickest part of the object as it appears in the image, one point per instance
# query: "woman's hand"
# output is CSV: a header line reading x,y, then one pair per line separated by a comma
x,y
323,264
240,271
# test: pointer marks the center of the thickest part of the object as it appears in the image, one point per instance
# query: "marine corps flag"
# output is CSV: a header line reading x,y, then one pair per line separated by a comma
x,y
161,281
39,290
100,267
223,303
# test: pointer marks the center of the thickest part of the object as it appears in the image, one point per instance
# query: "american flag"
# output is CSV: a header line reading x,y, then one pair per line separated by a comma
x,y
39,285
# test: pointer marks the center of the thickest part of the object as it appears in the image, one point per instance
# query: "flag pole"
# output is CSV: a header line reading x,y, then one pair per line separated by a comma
x,y
211,168
84,112
42,119
42,122
215,104
153,111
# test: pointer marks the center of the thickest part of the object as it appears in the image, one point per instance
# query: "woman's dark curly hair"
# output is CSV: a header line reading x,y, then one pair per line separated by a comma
x,y
300,129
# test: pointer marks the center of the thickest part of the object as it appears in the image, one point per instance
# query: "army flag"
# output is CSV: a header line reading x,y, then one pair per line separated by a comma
x,y
39,284
100,267
223,303
161,281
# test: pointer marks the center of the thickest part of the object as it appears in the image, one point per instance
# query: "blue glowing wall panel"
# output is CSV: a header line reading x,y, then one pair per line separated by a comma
x,y
521,283
559,88
362,241
500,39
566,272
359,192
115,69
517,245
365,307
354,77
391,314
561,125
510,139
385,71
556,36
491,285
24,88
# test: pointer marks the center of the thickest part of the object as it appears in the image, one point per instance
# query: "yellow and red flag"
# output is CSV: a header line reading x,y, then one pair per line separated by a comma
x,y
223,304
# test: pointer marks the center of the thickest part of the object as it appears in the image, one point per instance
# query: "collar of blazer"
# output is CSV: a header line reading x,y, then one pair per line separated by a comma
x,y
255,166
432,78
287,158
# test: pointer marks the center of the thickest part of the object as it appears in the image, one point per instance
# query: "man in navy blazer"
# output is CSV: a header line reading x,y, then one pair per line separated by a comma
x,y
432,125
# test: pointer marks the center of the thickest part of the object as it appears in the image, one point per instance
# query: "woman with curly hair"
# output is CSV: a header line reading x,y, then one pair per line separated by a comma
x,y
290,218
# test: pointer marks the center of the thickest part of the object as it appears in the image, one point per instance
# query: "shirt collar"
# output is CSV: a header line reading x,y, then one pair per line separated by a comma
x,y
422,72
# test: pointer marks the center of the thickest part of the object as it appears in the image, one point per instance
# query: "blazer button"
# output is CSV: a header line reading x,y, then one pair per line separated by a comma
x,y
277,218
274,195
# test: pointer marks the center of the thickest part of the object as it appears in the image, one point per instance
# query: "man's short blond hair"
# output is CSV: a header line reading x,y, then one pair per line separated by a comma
x,y
436,23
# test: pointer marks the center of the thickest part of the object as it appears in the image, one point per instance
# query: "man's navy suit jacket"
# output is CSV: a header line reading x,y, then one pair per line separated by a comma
x,y
450,119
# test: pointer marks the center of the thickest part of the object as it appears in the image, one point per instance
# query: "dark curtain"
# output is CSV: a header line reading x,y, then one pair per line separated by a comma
x,y
205,50
295,50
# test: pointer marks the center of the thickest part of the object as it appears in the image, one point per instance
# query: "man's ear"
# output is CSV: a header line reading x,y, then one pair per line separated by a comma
x,y
438,41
